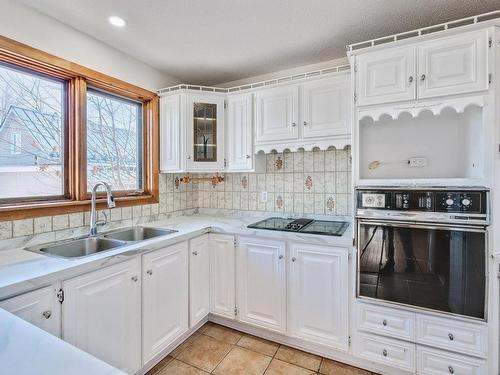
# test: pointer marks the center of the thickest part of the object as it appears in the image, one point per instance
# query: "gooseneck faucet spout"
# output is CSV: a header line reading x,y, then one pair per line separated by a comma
x,y
93,212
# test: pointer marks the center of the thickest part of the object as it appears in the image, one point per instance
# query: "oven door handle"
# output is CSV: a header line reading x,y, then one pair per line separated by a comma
x,y
409,224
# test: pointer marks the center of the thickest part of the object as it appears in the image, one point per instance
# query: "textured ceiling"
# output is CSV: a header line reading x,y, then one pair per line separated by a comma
x,y
215,41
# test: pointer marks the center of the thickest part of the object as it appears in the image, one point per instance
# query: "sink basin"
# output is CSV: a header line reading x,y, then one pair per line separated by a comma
x,y
78,248
135,234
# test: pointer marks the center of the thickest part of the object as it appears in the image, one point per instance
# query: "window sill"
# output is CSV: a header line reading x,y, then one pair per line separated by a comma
x,y
60,207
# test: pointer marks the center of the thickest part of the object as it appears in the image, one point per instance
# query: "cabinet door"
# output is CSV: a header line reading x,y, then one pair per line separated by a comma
x,y
239,133
165,298
386,76
171,150
199,279
40,307
204,132
325,107
261,295
318,294
277,114
222,275
101,314
454,65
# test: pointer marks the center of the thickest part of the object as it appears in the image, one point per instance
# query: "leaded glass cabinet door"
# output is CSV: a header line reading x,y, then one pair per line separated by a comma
x,y
205,133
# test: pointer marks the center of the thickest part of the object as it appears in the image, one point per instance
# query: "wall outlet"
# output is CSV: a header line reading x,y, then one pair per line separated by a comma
x,y
418,162
263,197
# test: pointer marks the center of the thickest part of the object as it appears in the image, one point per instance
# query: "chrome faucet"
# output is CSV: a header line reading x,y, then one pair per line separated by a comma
x,y
93,214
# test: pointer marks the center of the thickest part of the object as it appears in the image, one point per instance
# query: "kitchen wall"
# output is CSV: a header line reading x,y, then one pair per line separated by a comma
x,y
47,34
309,182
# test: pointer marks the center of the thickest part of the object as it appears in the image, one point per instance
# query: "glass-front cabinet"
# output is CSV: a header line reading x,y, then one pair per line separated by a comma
x,y
205,124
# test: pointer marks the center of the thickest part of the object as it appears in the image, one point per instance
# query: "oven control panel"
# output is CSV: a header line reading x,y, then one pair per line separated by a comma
x,y
470,201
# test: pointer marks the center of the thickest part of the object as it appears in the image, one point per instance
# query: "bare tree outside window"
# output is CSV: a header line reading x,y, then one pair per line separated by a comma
x,y
31,134
114,141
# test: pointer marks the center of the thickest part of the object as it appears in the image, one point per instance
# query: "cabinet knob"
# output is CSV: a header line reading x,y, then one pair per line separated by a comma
x,y
149,272
189,156
294,124
410,79
135,279
280,256
294,259
451,337
422,77
305,123
384,353
248,156
451,370
384,322
47,314
195,253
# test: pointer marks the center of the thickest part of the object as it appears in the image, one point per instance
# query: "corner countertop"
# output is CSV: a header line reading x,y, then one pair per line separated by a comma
x,y
27,350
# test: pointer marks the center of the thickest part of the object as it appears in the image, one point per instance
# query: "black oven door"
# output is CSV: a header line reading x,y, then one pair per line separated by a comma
x,y
436,267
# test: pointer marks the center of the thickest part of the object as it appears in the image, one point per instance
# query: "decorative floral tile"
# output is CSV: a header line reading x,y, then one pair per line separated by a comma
x,y
244,182
279,202
330,204
278,163
308,183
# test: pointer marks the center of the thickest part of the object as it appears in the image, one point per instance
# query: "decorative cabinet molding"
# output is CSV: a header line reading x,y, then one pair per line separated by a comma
x,y
239,133
39,307
164,298
101,314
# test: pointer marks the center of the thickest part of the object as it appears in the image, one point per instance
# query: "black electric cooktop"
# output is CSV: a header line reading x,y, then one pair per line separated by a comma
x,y
310,226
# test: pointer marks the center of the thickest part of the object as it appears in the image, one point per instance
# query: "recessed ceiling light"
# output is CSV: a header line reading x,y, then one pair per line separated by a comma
x,y
117,21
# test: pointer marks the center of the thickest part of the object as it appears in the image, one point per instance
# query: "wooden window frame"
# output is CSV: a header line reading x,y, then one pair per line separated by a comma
x,y
78,78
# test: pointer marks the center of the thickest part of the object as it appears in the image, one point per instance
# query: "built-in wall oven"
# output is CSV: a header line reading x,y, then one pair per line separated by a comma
x,y
424,248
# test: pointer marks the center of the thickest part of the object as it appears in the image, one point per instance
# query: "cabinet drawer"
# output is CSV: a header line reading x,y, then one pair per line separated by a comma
x,y
386,321
438,362
459,336
387,351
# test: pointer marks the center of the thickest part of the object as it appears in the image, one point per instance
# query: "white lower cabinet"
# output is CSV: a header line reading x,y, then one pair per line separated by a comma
x,y
261,283
222,275
390,352
40,307
165,298
199,279
101,314
318,294
438,362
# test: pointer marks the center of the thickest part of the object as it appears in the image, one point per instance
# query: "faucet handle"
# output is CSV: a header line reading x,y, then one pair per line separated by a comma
x,y
111,201
102,222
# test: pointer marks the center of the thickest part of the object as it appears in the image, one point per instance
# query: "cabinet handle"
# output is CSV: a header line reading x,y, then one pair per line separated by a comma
x,y
195,253
294,259
451,337
47,314
280,256
134,279
410,79
294,124
384,353
451,370
422,77
305,123
189,157
248,156
384,322
149,272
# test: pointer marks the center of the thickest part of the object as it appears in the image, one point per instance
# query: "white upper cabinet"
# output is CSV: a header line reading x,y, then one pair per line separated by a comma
x,y
262,283
386,76
326,107
102,314
40,307
318,294
277,114
450,65
199,279
171,137
222,275
453,65
165,298
239,133
204,132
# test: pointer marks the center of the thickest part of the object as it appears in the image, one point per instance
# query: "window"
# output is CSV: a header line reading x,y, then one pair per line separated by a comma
x,y
63,127
31,134
114,142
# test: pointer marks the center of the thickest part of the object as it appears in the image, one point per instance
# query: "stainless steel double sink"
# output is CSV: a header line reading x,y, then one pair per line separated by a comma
x,y
81,247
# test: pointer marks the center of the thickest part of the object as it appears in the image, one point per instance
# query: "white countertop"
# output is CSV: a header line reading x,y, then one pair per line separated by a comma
x,y
26,349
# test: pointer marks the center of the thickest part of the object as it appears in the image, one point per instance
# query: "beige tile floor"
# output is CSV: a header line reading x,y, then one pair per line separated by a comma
x,y
218,350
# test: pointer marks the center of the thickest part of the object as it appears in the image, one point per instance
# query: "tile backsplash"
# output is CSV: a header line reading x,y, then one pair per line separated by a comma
x,y
309,182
